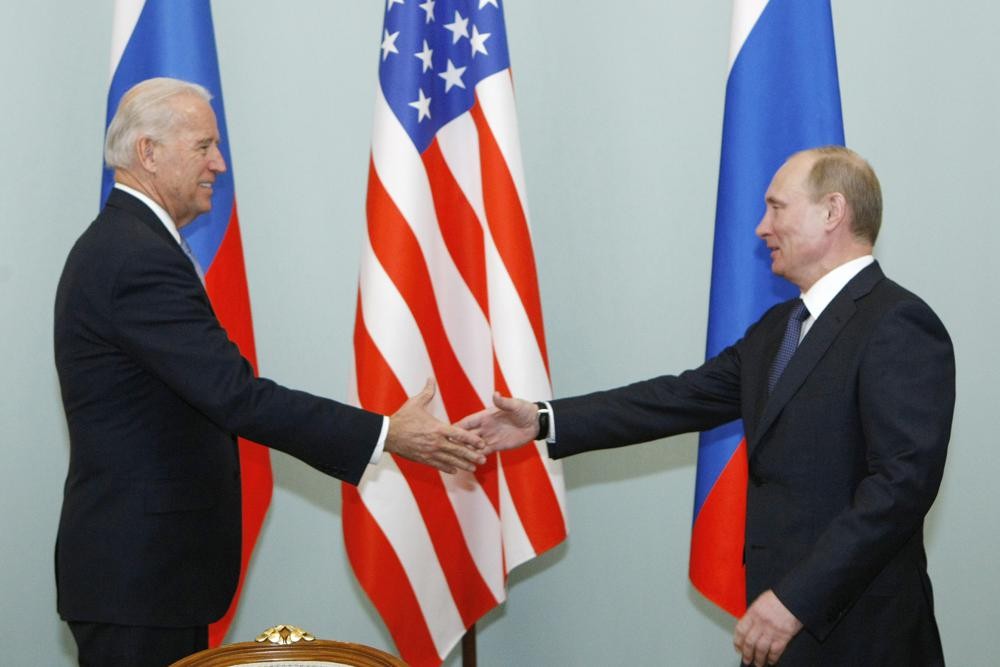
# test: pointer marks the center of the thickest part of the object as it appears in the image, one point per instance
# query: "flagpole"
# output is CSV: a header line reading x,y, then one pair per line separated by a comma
x,y
469,647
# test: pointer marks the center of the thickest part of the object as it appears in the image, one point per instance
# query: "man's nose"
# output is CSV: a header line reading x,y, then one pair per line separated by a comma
x,y
217,163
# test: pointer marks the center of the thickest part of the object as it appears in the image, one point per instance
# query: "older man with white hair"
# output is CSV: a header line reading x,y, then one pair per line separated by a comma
x,y
155,394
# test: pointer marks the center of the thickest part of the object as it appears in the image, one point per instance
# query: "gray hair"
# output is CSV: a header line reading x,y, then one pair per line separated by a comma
x,y
144,111
839,169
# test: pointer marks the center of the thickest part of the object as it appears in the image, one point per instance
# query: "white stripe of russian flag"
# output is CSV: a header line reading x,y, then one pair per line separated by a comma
x,y
126,15
745,15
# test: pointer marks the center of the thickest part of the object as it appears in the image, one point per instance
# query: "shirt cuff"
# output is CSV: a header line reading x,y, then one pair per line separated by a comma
x,y
380,445
551,435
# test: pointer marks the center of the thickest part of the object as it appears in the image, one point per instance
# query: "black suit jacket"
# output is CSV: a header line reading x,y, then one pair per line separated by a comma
x,y
155,394
846,457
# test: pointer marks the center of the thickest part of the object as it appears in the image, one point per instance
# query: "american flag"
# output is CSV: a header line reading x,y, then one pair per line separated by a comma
x,y
448,288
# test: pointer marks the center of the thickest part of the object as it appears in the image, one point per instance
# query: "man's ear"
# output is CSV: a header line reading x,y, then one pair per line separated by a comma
x,y
145,152
836,210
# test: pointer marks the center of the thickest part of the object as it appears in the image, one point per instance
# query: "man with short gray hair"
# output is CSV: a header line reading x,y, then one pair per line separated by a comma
x,y
846,396
155,394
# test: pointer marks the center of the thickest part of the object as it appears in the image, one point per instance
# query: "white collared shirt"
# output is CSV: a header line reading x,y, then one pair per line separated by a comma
x,y
824,290
168,222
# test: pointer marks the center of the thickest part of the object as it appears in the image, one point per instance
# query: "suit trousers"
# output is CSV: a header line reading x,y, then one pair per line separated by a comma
x,y
109,645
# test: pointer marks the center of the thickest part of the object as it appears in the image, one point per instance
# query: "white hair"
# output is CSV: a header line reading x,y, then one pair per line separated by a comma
x,y
144,111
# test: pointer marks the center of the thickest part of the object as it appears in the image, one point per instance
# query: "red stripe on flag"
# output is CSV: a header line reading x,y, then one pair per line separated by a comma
x,y
375,562
471,594
531,489
400,255
468,589
509,227
459,225
718,535
381,574
463,236
226,284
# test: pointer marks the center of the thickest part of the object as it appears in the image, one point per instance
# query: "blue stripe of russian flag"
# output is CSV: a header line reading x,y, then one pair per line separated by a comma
x,y
782,96
177,39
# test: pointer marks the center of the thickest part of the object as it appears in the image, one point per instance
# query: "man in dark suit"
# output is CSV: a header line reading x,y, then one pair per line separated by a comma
x,y
847,430
155,393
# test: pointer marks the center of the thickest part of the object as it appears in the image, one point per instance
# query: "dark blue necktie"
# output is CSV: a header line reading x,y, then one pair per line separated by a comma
x,y
788,343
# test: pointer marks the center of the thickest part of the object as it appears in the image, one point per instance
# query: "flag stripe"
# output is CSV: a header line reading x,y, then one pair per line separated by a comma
x,y
745,15
387,584
401,172
495,95
399,254
226,284
401,536
126,15
468,589
782,95
440,295
509,227
162,38
717,538
530,491
459,224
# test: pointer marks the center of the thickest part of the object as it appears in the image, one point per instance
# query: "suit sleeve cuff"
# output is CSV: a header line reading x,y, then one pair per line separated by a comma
x,y
380,445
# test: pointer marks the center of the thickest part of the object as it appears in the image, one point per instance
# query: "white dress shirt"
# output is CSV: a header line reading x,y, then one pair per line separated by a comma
x,y
824,290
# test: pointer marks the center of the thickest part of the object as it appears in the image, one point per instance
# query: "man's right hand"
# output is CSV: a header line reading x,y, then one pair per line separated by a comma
x,y
416,435
511,423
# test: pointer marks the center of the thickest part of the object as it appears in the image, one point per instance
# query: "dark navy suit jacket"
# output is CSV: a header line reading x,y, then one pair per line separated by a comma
x,y
845,459
155,394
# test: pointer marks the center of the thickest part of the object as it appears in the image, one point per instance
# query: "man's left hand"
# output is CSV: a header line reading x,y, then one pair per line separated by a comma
x,y
765,630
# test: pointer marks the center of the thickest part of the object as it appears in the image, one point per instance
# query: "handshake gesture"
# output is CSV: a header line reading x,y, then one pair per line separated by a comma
x,y
416,435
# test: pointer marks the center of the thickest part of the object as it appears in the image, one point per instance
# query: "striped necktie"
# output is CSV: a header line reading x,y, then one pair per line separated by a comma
x,y
788,344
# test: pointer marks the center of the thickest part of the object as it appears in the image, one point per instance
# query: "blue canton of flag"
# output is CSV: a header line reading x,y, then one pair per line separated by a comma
x,y
433,54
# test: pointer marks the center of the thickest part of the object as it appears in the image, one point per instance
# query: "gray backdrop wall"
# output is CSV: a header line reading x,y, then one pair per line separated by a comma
x,y
620,105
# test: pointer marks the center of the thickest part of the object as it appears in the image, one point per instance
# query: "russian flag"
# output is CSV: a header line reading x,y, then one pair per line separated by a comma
x,y
154,38
782,96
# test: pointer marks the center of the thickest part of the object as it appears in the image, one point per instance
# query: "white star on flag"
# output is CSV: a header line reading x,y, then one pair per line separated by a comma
x,y
425,56
400,2
422,105
459,28
452,76
428,7
448,287
478,41
389,44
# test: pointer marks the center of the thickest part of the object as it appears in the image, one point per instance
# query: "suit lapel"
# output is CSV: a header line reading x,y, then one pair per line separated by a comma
x,y
122,200
813,347
137,208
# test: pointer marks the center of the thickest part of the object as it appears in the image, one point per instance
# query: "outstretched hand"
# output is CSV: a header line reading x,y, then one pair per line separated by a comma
x,y
416,435
511,423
